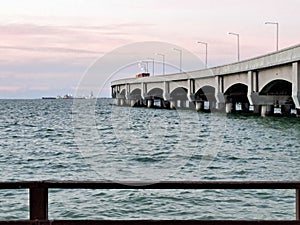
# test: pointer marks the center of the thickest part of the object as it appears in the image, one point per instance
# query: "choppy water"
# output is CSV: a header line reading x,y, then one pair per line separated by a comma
x,y
58,140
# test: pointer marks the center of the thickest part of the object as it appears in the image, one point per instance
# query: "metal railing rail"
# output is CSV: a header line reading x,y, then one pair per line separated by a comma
x,y
38,200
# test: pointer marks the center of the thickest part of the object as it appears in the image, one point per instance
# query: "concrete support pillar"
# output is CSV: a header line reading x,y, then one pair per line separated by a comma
x,y
265,110
144,90
296,84
219,92
250,86
127,91
191,89
198,106
117,101
122,102
228,107
220,106
149,103
256,109
172,104
166,94
132,102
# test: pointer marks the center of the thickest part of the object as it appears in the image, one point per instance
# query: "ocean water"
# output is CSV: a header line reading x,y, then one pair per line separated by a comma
x,y
96,140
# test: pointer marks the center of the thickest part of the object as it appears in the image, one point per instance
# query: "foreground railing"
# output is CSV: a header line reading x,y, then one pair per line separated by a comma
x,y
38,200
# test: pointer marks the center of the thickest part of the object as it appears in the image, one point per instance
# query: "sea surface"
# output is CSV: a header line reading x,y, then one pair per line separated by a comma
x,y
96,140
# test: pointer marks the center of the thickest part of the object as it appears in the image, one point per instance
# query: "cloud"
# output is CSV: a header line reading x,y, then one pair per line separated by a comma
x,y
32,42
39,30
49,49
10,88
39,88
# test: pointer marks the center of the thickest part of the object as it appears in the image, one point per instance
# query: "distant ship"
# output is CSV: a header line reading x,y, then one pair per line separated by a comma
x,y
69,96
49,98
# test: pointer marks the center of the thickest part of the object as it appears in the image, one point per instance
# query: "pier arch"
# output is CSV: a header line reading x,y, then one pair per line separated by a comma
x,y
236,98
136,97
155,98
277,87
205,98
279,95
121,98
179,98
155,93
178,84
136,94
266,76
122,92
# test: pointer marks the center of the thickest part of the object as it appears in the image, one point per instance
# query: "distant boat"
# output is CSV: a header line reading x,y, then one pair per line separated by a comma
x,y
48,97
69,96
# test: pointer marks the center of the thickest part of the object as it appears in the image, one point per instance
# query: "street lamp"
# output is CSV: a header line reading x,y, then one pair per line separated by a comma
x,y
277,32
163,58
204,43
180,58
143,66
238,43
152,65
146,62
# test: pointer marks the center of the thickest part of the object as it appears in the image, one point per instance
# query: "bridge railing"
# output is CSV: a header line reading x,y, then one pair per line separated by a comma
x,y
38,200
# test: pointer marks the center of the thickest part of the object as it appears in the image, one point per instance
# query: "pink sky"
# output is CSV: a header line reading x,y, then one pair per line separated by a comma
x,y
47,45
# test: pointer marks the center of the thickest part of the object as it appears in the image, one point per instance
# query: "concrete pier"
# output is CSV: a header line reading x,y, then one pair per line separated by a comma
x,y
228,107
198,106
132,103
266,110
149,103
172,105
253,86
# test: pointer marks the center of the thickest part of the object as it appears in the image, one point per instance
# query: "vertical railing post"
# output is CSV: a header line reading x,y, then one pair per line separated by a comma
x,y
297,204
38,203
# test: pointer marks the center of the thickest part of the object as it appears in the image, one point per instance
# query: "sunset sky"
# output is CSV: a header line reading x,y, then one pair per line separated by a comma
x,y
46,46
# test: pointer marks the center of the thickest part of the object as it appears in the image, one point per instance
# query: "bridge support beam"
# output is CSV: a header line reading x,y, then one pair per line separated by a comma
x,y
166,94
149,103
144,90
296,84
251,86
127,91
132,102
219,95
228,107
265,110
191,90
198,106
172,104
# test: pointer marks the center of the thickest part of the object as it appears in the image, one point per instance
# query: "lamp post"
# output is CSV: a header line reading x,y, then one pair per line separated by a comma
x,y
163,58
180,58
146,62
152,65
277,32
143,65
204,43
238,43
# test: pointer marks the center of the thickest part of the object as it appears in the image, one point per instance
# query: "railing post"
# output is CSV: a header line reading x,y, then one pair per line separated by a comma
x,y
38,203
